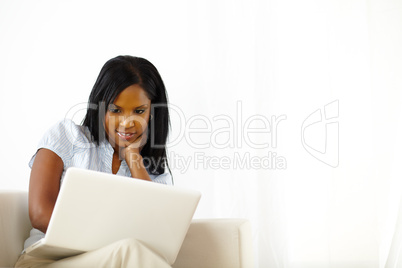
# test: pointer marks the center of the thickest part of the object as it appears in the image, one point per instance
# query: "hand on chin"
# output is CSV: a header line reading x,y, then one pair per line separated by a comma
x,y
133,148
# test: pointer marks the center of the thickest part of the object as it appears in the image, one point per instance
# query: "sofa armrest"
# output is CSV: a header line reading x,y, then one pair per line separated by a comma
x,y
14,225
217,243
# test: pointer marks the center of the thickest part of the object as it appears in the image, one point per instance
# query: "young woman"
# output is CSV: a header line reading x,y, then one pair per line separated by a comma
x,y
124,132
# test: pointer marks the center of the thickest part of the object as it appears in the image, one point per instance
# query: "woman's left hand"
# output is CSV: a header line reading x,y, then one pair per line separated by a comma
x,y
136,146
134,159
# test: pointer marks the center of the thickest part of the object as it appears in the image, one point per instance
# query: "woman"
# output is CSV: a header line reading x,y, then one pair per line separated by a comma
x,y
124,132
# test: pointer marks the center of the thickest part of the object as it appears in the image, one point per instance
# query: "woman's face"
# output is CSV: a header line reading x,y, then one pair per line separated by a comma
x,y
127,117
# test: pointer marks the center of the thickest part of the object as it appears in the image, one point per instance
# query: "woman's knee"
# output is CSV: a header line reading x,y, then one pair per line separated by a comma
x,y
127,245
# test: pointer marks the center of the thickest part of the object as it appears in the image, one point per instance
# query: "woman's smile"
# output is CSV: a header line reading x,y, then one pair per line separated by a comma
x,y
127,136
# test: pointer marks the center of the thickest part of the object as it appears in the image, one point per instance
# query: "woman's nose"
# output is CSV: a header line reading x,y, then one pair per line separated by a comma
x,y
127,122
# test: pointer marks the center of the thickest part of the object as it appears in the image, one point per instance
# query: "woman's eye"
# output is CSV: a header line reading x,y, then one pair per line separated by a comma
x,y
114,110
139,111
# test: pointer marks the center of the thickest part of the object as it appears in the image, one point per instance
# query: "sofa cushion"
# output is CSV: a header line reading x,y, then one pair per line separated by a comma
x,y
14,226
218,243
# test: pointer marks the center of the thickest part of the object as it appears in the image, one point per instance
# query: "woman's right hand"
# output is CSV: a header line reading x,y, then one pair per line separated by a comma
x,y
44,186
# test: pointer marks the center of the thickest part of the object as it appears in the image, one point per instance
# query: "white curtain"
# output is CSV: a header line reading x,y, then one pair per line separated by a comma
x,y
331,70
284,112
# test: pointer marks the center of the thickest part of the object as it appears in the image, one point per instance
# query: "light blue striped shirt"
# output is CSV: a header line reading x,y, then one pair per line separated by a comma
x,y
72,143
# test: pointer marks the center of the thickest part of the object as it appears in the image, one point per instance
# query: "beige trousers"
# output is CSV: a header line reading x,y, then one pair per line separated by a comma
x,y
125,253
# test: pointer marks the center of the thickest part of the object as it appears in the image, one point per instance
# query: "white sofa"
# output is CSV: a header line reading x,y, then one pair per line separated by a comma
x,y
216,243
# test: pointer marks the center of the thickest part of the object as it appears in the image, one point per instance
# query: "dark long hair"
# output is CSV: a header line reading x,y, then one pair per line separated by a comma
x,y
116,75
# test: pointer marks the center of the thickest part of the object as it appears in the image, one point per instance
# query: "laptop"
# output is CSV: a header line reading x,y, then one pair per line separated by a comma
x,y
94,209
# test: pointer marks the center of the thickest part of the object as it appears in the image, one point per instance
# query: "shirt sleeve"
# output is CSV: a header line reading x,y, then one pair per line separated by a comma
x,y
61,139
165,178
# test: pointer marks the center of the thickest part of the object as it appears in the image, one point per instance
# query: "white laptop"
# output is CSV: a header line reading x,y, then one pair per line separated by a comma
x,y
94,209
